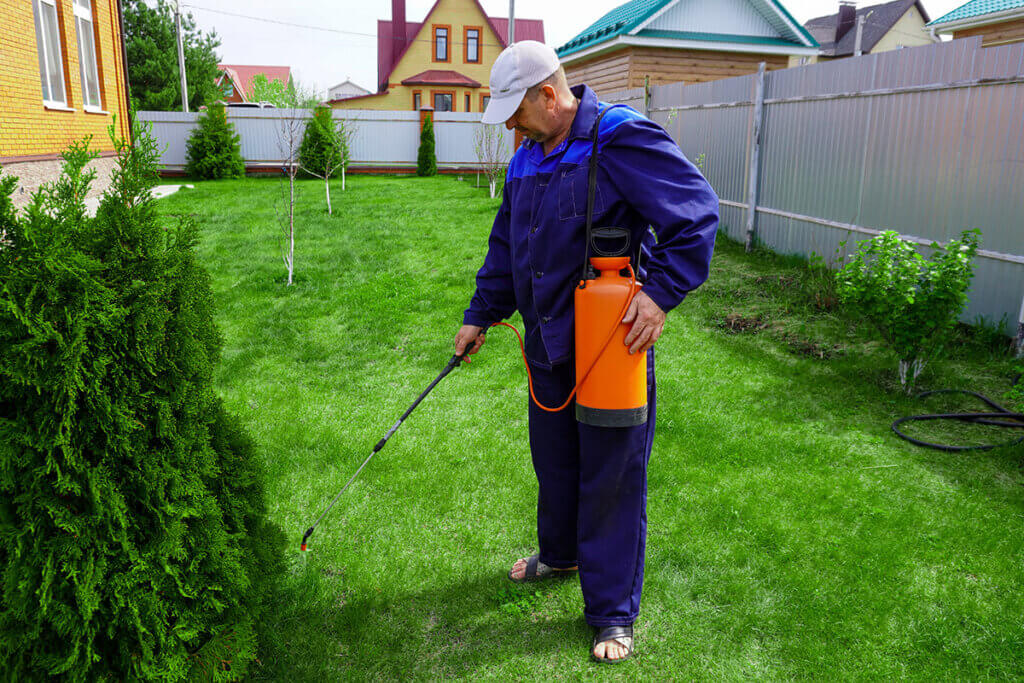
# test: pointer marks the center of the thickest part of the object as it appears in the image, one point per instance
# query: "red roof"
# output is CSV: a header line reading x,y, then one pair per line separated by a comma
x,y
439,77
242,74
526,29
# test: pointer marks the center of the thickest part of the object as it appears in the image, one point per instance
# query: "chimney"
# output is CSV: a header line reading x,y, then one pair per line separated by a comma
x,y
397,30
847,18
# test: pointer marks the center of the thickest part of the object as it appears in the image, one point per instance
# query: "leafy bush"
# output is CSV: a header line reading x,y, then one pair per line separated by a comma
x,y
214,149
426,161
913,302
134,543
323,149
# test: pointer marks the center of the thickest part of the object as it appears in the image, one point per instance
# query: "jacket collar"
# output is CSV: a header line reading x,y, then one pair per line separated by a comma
x,y
586,114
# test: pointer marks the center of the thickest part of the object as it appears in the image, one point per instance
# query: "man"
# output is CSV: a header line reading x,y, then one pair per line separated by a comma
x,y
591,510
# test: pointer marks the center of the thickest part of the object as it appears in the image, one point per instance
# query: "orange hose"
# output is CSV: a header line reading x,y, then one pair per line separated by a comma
x,y
611,333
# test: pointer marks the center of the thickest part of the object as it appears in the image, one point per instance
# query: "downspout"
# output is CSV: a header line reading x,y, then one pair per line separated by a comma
x,y
124,71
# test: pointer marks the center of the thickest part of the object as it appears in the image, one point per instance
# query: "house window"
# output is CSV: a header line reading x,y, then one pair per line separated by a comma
x,y
472,42
467,103
484,101
51,63
443,101
417,100
441,43
87,55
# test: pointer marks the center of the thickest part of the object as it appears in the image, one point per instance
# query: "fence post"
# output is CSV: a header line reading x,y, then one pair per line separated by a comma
x,y
1020,331
647,96
755,155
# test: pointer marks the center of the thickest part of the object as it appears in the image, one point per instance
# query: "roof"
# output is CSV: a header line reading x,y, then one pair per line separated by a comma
x,y
978,8
883,18
348,81
526,29
242,75
441,77
629,18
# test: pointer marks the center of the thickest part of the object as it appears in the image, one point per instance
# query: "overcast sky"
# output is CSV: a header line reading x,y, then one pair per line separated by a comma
x,y
346,47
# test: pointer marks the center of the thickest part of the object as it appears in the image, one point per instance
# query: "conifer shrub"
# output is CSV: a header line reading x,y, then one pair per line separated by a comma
x,y
214,149
323,149
134,543
426,160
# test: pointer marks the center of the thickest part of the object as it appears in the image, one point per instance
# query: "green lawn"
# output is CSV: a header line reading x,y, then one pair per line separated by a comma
x,y
791,534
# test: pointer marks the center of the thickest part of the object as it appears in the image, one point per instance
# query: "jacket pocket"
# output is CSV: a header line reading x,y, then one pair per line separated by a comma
x,y
572,195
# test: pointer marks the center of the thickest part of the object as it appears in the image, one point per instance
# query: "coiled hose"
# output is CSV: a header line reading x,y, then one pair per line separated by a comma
x,y
1002,417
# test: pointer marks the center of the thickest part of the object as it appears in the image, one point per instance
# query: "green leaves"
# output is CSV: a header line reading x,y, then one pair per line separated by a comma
x,y
214,149
133,531
151,47
426,159
913,302
323,151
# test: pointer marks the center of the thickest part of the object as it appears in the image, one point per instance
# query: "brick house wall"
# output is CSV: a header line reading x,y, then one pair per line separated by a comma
x,y
32,135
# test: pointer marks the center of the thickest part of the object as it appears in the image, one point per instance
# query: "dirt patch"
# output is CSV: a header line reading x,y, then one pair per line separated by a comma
x,y
737,324
809,348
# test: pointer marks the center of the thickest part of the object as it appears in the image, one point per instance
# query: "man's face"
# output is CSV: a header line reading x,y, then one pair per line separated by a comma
x,y
534,117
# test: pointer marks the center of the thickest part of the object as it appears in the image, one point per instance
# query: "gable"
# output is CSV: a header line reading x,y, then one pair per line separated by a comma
x,y
739,16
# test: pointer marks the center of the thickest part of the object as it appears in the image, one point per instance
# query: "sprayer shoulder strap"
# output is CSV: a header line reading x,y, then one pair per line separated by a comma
x,y
592,183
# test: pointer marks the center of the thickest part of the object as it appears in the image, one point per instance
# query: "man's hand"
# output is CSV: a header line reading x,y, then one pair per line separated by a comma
x,y
648,321
469,334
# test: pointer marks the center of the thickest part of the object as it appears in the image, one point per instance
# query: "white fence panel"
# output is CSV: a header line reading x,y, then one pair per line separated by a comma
x,y
381,139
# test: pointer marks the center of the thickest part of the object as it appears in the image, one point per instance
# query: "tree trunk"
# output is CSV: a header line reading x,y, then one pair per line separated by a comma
x,y
493,184
327,189
342,178
291,224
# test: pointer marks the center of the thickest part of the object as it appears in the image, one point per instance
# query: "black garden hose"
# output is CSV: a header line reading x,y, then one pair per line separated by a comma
x,y
1001,418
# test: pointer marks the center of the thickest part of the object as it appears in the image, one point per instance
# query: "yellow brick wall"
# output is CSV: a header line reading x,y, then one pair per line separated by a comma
x,y
419,57
27,128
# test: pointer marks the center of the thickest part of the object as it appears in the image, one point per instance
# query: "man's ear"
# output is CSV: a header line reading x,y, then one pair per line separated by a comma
x,y
550,96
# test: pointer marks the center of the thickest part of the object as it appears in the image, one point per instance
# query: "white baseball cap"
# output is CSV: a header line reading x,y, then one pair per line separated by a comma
x,y
520,66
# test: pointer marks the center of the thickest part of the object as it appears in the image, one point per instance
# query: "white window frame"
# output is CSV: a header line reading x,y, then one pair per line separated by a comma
x,y
84,14
45,66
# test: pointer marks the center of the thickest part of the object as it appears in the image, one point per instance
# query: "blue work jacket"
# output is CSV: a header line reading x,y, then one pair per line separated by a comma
x,y
536,248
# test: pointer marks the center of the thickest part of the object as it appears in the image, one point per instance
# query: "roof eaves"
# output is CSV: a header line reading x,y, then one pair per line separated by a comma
x,y
811,42
719,38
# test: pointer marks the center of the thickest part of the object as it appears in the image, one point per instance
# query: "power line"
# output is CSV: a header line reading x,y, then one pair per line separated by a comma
x,y
327,30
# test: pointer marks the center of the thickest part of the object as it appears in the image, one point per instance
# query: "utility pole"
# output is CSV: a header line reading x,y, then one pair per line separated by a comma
x,y
181,57
511,21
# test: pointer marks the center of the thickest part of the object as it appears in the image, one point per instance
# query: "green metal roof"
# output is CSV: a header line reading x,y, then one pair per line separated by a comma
x,y
627,17
620,20
976,8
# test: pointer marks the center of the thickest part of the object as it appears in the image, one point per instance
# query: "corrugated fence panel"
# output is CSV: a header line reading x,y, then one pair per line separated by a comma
x,y
387,139
906,140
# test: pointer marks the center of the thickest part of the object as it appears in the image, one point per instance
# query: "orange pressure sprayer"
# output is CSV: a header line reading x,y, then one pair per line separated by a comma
x,y
612,383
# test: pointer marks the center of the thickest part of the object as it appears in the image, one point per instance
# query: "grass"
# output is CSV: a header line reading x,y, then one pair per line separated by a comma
x,y
791,535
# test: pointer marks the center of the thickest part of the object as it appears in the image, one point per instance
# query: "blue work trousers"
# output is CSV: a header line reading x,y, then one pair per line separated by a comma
x,y
592,503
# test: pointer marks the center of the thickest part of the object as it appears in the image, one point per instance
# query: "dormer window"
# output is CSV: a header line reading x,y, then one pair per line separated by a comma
x,y
441,43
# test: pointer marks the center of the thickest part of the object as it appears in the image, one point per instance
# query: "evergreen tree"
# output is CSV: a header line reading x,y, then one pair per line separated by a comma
x,y
323,149
134,543
151,44
426,161
214,149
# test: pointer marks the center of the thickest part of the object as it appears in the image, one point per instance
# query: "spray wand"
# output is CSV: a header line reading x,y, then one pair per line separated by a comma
x,y
452,364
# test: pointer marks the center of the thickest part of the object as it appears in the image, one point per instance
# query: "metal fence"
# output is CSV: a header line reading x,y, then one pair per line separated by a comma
x,y
926,141
382,139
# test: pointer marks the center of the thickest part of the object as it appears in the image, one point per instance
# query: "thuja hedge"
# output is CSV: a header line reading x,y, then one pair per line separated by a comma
x,y
134,542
